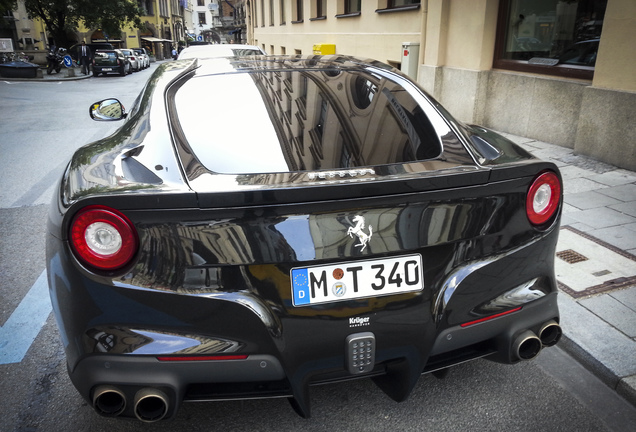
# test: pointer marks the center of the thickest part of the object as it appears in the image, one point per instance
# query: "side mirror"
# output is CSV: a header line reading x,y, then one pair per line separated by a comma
x,y
107,110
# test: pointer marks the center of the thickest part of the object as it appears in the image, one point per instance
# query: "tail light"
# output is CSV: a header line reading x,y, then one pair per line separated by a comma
x,y
103,238
543,198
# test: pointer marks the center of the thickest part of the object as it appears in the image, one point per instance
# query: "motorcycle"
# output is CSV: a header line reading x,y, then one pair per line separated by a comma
x,y
55,60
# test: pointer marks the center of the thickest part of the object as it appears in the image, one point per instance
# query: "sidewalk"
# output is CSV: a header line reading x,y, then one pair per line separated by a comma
x,y
596,264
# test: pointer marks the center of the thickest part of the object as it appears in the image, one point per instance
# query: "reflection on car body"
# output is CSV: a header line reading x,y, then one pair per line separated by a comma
x,y
581,53
354,229
225,50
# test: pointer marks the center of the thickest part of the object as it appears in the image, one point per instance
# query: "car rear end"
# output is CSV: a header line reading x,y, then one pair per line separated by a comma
x,y
353,229
105,62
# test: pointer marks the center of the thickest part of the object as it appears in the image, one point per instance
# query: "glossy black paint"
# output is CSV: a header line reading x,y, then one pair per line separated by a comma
x,y
212,275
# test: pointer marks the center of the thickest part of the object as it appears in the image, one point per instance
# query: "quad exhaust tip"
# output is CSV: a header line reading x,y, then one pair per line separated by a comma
x,y
151,405
526,346
550,333
109,401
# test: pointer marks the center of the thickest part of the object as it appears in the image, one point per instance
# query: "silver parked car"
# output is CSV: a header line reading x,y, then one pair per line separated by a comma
x,y
132,58
143,57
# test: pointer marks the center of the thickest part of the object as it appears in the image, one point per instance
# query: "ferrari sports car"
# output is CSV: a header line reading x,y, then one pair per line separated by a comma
x,y
262,224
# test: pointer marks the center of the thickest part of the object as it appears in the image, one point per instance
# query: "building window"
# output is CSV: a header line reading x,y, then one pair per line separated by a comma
x,y
318,11
401,3
146,7
352,6
552,37
297,11
397,5
202,18
200,3
281,4
262,13
271,12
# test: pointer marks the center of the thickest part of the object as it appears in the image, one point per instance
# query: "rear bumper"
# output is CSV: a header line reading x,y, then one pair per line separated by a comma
x,y
264,376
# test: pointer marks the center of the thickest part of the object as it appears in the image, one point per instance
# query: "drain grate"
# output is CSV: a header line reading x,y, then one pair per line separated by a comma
x,y
570,256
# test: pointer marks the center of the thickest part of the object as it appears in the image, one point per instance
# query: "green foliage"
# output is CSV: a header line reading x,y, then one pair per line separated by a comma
x,y
6,6
62,17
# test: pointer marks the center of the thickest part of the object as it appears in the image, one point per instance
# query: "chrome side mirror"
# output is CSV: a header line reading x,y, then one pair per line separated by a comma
x,y
107,110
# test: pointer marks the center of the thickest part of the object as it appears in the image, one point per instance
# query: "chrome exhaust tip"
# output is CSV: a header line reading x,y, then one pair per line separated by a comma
x,y
151,405
550,333
526,346
109,401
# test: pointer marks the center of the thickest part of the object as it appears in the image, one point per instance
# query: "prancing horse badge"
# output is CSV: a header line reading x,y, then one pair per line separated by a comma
x,y
358,230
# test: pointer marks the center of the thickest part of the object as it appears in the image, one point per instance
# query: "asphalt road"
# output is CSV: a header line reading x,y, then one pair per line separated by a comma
x,y
41,124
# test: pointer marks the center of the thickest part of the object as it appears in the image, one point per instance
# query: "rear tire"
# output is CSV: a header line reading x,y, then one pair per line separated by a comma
x,y
49,70
122,72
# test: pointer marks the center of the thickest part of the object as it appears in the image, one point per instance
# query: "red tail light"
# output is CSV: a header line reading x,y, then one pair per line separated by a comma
x,y
543,198
103,238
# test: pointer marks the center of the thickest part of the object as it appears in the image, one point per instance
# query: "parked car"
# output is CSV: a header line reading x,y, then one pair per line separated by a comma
x,y
132,58
209,51
142,55
75,49
353,230
581,53
110,61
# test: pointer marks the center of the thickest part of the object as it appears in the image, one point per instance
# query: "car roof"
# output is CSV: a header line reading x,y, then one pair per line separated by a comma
x,y
225,50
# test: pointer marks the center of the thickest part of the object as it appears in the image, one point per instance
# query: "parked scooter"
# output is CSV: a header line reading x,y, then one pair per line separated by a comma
x,y
55,60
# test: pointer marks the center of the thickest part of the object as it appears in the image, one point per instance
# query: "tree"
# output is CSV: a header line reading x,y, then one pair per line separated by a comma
x,y
6,6
62,17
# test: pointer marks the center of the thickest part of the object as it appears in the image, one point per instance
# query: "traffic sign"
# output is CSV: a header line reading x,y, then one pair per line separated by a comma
x,y
199,38
68,61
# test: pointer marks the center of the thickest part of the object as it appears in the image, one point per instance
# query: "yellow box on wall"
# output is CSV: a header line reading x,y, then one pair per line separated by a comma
x,y
324,49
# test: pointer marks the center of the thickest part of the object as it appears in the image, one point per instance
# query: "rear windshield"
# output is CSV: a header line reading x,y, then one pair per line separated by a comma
x,y
102,56
301,120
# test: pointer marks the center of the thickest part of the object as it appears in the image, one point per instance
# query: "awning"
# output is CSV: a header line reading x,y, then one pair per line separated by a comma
x,y
154,39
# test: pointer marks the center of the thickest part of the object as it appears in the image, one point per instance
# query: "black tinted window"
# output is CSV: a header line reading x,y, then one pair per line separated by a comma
x,y
304,120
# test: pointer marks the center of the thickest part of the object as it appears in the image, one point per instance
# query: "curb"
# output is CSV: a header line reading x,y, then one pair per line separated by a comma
x,y
599,347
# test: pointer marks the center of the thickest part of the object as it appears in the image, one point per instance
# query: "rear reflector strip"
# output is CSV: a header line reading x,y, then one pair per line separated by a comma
x,y
202,358
488,318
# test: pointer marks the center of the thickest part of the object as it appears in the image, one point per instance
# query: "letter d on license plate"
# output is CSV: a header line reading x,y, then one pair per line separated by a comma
x,y
357,279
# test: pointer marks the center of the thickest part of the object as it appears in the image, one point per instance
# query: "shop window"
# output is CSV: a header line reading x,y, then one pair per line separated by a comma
x,y
553,37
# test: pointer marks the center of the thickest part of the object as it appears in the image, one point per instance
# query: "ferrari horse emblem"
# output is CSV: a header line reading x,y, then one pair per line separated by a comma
x,y
358,230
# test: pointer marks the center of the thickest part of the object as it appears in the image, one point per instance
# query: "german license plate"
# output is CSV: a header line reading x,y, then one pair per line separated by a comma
x,y
357,279
107,69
